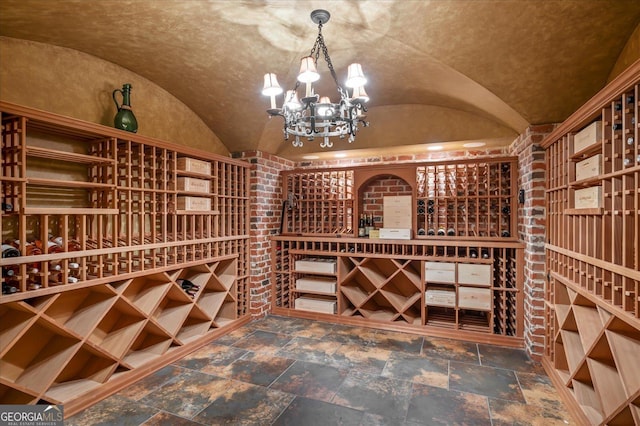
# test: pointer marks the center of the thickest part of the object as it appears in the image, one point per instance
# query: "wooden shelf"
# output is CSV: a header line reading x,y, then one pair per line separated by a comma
x,y
100,301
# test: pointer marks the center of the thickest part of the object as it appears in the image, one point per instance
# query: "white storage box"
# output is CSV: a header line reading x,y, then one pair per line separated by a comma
x,y
188,184
395,234
474,298
317,284
473,273
588,136
440,272
441,296
193,165
316,264
315,305
588,198
589,167
397,212
194,203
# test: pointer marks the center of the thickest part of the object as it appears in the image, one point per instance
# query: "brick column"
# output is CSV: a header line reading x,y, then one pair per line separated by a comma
x,y
266,205
532,231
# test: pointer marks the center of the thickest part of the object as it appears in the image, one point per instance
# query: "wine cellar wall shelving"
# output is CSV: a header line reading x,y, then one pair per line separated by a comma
x,y
593,255
462,225
118,252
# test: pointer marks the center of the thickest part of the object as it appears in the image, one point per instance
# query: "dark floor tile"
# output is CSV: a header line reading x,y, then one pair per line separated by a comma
x,y
187,394
115,410
454,350
510,413
509,358
142,387
263,341
435,406
383,396
419,369
311,412
257,368
211,354
367,359
351,335
307,349
395,341
311,380
244,404
284,325
235,335
487,381
315,329
539,391
163,419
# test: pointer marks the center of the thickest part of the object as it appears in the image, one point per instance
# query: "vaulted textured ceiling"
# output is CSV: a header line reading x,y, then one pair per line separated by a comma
x,y
439,70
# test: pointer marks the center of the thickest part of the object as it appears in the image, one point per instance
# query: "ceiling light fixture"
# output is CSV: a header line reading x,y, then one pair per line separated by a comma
x,y
435,148
314,116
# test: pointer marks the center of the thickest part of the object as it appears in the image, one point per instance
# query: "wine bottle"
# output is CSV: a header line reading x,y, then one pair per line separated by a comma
x,y
473,253
421,231
361,226
368,224
451,232
630,140
485,253
630,99
506,234
431,231
9,251
7,207
441,231
617,126
617,106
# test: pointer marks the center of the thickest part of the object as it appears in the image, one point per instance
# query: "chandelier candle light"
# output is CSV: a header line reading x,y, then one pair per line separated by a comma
x,y
314,116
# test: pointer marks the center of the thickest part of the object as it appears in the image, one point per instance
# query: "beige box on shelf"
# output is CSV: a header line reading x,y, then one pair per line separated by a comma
x,y
474,273
395,234
397,212
374,234
589,167
194,203
587,136
441,272
317,284
317,265
189,184
192,165
441,296
474,298
315,305
588,198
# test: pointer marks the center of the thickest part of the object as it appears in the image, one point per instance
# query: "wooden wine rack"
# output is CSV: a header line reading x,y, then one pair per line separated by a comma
x,y
593,257
473,199
107,302
383,284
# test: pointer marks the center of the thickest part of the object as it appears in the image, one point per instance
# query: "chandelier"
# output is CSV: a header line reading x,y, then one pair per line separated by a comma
x,y
316,116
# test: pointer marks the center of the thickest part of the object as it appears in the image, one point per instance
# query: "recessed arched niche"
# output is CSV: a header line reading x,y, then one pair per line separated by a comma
x,y
372,186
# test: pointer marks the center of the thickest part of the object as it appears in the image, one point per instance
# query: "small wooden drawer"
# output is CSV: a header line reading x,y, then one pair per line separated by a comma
x,y
317,284
192,165
315,305
440,296
474,298
441,272
317,265
588,198
588,136
590,167
188,184
473,273
194,203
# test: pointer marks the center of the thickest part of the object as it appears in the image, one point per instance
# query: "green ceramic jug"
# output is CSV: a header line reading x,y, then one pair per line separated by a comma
x,y
125,119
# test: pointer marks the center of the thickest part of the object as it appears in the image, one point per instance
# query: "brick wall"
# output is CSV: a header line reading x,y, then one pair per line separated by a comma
x,y
531,230
266,206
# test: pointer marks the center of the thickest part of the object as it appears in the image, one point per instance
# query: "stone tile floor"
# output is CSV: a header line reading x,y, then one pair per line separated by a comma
x,y
288,371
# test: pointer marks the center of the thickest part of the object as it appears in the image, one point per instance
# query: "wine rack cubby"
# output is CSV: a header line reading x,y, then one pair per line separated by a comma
x,y
107,274
593,259
383,284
